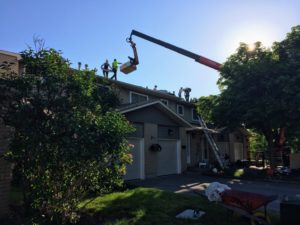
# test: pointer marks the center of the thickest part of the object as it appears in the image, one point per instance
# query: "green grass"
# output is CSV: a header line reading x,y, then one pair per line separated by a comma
x,y
148,206
143,206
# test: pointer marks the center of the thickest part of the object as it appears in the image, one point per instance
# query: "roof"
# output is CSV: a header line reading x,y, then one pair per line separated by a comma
x,y
243,130
132,107
158,93
202,128
17,55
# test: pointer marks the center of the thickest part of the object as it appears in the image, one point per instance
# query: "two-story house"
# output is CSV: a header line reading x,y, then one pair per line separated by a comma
x,y
168,137
171,124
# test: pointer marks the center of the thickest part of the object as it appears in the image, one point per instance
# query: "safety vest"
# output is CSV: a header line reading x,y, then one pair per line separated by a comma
x,y
115,64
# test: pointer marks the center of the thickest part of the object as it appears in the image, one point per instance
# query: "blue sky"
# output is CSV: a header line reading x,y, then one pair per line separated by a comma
x,y
93,30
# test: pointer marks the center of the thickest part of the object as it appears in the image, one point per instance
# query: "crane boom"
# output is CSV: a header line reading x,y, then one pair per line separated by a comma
x,y
198,58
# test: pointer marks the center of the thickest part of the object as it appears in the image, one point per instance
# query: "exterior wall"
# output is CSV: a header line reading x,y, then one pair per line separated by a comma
x,y
139,130
184,148
6,134
226,142
150,115
154,126
187,113
168,132
10,59
5,179
150,157
235,138
124,96
197,148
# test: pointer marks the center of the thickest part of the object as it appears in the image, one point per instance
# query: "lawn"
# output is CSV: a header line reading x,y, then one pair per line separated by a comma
x,y
143,206
146,206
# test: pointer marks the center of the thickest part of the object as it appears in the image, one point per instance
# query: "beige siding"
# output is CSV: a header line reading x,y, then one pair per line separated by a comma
x,y
150,157
197,147
124,95
10,59
6,134
184,148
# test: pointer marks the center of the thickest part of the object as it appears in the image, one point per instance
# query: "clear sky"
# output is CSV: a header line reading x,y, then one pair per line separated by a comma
x,y
91,31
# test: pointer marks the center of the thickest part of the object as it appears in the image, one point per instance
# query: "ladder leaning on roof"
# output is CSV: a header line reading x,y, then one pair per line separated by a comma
x,y
211,142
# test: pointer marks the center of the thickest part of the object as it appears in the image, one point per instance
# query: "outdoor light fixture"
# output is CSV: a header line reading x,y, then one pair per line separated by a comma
x,y
170,132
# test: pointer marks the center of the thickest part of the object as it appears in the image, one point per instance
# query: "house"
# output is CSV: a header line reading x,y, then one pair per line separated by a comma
x,y
170,123
168,138
12,62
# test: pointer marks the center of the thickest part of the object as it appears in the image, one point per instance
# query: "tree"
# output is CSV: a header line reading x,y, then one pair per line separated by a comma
x,y
206,106
260,89
69,141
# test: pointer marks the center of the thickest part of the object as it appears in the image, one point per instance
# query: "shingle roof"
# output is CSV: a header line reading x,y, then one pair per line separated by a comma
x,y
132,107
157,93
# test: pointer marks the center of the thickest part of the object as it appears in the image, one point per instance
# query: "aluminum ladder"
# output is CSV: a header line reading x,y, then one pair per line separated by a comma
x,y
211,142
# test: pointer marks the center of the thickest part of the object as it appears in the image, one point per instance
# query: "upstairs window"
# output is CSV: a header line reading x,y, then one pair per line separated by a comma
x,y
180,110
195,115
136,97
165,101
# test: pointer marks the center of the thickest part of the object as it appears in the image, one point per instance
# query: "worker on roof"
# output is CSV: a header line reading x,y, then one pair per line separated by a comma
x,y
180,91
106,68
187,93
115,68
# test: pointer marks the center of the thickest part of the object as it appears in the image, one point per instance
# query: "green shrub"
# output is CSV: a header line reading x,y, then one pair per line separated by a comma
x,y
68,140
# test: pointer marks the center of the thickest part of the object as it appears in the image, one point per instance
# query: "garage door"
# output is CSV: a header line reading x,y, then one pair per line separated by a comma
x,y
238,151
167,158
136,169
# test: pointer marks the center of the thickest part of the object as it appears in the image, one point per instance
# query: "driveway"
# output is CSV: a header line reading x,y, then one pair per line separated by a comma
x,y
188,182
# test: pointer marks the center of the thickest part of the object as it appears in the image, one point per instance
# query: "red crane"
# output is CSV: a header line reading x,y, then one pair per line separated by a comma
x,y
131,65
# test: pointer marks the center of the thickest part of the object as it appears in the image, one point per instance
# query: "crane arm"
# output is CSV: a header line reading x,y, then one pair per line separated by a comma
x,y
200,59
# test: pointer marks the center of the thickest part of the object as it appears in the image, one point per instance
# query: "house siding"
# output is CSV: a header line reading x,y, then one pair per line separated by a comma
x,y
150,115
156,126
124,95
150,157
15,67
6,134
184,148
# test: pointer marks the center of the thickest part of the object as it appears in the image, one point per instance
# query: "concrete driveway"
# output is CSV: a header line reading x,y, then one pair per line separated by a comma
x,y
188,182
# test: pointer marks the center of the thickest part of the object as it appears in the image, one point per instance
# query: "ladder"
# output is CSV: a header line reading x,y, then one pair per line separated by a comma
x,y
211,142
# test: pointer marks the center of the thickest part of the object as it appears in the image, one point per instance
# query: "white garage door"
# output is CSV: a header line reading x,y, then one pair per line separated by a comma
x,y
136,169
238,151
167,158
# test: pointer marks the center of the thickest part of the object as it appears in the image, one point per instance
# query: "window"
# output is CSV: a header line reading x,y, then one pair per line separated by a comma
x,y
136,97
165,101
195,115
180,110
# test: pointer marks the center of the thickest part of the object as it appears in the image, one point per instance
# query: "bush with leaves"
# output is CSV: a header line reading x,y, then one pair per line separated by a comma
x,y
69,141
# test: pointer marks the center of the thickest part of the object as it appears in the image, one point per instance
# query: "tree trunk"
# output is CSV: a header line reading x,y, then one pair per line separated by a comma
x,y
270,140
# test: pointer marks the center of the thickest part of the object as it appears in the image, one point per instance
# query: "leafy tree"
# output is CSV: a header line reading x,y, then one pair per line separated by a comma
x,y
260,89
69,141
206,106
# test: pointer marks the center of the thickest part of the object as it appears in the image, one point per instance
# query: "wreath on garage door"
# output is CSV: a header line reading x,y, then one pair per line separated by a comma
x,y
155,148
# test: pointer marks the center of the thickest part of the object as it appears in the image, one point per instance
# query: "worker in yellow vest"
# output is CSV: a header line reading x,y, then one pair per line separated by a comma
x,y
115,68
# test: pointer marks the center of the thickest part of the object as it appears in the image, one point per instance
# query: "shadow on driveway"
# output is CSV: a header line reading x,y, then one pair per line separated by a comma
x,y
187,182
